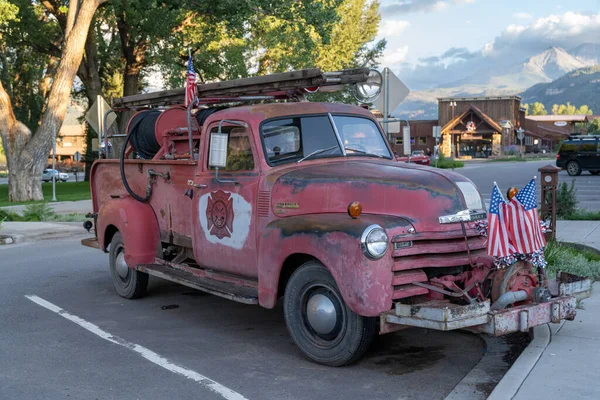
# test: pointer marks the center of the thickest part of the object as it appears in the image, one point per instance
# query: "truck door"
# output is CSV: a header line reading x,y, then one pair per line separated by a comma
x,y
225,224
587,155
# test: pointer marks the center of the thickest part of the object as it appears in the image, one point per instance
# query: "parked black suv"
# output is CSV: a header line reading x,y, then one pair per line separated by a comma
x,y
580,153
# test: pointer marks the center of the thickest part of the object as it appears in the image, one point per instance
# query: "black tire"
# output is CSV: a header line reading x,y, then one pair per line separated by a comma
x,y
573,168
596,172
349,338
134,284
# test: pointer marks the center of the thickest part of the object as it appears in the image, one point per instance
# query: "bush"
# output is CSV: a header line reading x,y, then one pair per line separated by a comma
x,y
38,212
9,216
511,150
566,200
565,258
446,163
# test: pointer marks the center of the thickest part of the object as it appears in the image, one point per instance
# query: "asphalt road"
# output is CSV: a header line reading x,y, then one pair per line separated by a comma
x,y
518,174
52,354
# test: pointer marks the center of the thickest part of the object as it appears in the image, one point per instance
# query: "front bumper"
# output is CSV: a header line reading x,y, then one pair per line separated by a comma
x,y
478,317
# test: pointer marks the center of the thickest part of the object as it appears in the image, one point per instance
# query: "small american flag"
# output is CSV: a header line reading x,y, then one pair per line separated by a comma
x,y
498,241
523,221
190,84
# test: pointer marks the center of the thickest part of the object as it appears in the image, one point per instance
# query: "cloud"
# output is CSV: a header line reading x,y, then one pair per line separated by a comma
x,y
514,44
410,6
522,15
567,31
396,56
392,27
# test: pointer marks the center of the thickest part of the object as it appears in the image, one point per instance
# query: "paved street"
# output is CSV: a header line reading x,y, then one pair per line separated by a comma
x,y
518,174
52,354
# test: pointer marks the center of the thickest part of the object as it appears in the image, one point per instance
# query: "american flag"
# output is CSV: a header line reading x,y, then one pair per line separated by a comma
x,y
498,244
190,84
523,221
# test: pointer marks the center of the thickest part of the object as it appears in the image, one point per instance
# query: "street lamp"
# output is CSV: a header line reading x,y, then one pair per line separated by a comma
x,y
506,126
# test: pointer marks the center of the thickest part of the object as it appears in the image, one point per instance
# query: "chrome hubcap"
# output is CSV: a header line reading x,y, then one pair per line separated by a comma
x,y
321,314
121,265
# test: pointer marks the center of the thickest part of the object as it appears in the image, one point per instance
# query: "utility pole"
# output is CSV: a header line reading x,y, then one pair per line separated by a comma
x,y
386,101
53,163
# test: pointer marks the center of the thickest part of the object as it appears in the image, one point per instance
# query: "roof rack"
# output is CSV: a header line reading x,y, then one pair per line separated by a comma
x,y
583,137
286,85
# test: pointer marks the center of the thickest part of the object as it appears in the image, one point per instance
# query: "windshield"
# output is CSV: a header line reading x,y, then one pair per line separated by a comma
x,y
293,139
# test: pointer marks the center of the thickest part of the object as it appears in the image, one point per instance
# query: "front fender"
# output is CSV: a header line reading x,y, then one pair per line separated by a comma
x,y
138,226
333,239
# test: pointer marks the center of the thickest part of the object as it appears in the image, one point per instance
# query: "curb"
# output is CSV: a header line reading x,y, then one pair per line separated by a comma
x,y
510,384
45,236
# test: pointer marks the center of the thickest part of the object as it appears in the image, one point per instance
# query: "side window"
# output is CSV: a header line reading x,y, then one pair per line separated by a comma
x,y
239,150
589,147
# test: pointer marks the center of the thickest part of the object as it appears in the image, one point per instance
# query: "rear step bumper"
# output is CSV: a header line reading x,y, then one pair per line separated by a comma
x,y
91,242
478,317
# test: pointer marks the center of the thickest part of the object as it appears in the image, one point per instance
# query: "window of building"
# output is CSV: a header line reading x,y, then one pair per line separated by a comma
x,y
423,140
528,140
399,140
412,140
239,150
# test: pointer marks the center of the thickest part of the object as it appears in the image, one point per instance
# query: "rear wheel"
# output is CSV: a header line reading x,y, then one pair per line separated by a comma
x,y
128,282
323,327
596,172
573,168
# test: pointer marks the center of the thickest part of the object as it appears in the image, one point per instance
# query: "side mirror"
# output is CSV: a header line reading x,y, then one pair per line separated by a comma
x,y
218,150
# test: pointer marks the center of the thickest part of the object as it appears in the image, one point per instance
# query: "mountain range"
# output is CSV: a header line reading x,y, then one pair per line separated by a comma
x,y
506,79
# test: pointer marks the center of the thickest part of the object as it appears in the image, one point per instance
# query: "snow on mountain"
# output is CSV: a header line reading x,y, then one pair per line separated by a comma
x,y
587,53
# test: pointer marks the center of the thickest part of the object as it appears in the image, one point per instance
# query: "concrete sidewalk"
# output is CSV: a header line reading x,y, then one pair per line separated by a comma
x,y
60,207
579,232
562,362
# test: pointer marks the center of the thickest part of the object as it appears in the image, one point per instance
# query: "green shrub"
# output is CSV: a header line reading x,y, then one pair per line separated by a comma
x,y
447,163
38,212
9,216
562,257
566,200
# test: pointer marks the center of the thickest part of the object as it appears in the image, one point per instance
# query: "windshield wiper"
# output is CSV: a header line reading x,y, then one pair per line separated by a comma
x,y
317,152
363,152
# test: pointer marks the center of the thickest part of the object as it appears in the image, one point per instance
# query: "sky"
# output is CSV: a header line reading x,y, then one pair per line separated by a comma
x,y
430,39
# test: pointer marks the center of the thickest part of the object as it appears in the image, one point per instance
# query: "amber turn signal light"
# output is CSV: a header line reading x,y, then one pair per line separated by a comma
x,y
355,209
512,192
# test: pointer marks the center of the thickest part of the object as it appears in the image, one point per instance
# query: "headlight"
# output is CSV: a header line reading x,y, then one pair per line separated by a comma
x,y
374,242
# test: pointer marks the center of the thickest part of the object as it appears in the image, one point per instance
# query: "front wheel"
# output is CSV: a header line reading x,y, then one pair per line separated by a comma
x,y
128,282
323,327
573,168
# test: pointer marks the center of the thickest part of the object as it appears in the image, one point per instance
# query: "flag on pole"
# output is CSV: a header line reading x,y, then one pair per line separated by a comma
x,y
190,83
498,241
523,221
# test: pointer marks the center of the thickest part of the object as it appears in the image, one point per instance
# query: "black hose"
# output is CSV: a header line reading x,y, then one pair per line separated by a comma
x,y
124,178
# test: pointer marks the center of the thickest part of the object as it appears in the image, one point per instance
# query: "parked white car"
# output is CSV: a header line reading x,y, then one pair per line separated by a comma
x,y
59,176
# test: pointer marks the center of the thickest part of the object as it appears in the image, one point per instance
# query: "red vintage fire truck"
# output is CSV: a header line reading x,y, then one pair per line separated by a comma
x,y
254,194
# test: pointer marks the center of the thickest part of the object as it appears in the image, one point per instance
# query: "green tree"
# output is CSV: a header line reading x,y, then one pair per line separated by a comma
x,y
538,108
26,149
569,109
594,126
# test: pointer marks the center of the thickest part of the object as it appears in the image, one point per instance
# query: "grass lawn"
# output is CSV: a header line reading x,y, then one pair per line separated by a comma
x,y
583,215
65,191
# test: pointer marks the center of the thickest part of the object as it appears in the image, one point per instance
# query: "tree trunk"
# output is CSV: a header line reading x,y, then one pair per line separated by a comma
x,y
28,154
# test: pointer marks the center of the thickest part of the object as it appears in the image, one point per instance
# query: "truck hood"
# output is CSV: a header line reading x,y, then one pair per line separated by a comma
x,y
418,194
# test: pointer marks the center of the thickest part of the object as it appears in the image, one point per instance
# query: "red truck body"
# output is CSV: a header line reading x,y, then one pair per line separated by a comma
x,y
270,231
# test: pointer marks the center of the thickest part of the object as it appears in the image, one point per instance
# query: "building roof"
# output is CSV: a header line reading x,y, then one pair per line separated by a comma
x,y
486,118
556,118
475,98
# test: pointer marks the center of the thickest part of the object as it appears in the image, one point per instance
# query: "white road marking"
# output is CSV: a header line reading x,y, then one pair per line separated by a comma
x,y
148,354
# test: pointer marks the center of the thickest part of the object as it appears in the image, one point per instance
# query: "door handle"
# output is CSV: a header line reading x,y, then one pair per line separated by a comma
x,y
200,186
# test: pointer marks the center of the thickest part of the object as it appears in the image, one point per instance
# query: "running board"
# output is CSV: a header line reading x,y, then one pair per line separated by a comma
x,y
241,294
